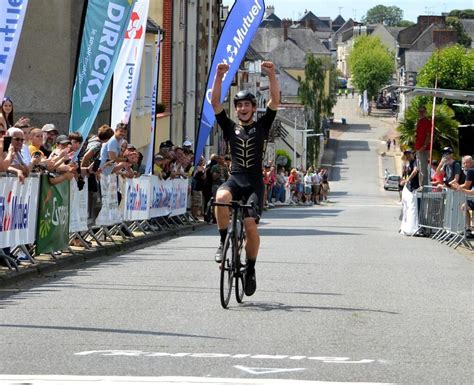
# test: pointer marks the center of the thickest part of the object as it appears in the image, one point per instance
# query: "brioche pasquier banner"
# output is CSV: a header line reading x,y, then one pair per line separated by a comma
x,y
12,15
127,69
103,34
239,29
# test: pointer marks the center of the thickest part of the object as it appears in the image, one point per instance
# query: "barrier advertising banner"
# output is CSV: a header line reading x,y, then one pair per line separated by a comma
x,y
104,30
180,197
18,211
127,69
240,27
137,198
109,213
161,195
12,15
78,207
53,227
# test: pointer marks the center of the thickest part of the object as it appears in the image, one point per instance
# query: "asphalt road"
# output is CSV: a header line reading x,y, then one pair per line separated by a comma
x,y
341,297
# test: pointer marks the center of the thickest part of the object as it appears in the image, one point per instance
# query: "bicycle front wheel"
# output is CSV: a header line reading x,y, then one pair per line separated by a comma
x,y
239,266
227,272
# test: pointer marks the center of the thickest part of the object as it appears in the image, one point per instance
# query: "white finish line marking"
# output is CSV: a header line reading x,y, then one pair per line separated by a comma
x,y
267,370
139,353
105,380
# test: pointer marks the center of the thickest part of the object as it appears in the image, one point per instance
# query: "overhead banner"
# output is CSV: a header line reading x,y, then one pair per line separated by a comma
x,y
53,227
104,30
18,210
127,69
239,29
156,72
12,15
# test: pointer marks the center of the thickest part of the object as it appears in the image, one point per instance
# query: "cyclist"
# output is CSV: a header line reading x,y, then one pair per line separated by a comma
x,y
247,140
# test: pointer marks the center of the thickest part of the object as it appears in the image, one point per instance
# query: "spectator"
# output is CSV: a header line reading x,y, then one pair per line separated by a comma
x,y
453,175
111,158
279,188
422,144
49,139
292,182
468,188
207,188
7,156
324,184
6,113
411,183
218,174
19,166
308,182
316,187
198,180
437,177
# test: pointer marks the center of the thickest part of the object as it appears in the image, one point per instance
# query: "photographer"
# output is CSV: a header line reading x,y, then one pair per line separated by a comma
x,y
453,175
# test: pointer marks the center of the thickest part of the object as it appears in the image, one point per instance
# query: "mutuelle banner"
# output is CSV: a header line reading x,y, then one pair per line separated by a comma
x,y
18,210
12,14
127,69
104,30
240,27
53,227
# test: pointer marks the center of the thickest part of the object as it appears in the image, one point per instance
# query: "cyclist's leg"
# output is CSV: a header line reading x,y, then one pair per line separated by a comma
x,y
223,195
253,238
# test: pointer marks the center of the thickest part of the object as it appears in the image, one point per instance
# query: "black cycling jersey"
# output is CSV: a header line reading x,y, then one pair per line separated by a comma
x,y
247,143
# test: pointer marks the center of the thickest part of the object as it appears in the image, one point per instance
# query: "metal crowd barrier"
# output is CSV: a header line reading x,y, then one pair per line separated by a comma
x,y
442,214
98,235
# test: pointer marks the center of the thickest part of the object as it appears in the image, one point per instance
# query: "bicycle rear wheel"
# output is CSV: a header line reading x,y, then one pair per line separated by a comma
x,y
227,272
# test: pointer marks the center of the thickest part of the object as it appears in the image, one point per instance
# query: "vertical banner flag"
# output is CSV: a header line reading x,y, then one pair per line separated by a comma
x,y
127,69
240,27
53,228
12,15
156,73
103,35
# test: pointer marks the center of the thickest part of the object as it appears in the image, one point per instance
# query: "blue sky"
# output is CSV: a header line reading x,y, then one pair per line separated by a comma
x,y
356,9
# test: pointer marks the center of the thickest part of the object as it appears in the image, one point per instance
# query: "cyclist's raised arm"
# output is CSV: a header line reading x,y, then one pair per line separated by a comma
x,y
217,87
274,87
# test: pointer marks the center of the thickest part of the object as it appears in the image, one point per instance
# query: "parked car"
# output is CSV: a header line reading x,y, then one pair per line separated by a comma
x,y
392,182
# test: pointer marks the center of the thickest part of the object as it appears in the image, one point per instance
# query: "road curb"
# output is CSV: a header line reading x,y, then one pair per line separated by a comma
x,y
110,250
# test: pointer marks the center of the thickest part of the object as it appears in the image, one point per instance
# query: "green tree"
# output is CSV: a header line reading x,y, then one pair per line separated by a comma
x,y
405,23
462,13
463,37
371,64
317,97
453,67
381,14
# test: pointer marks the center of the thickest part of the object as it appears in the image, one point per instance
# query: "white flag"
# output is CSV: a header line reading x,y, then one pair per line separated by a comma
x,y
127,69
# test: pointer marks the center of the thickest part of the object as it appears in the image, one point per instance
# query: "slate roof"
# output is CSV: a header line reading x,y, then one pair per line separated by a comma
x,y
415,60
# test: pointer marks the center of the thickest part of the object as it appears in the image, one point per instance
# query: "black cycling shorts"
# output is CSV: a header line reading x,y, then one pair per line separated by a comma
x,y
248,188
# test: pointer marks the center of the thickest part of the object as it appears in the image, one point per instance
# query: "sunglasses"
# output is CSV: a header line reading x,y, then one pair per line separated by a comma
x,y
18,139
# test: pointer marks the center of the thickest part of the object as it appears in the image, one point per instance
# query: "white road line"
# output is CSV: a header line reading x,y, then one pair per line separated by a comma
x,y
111,380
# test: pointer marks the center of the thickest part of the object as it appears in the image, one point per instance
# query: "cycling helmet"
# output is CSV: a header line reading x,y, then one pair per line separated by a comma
x,y
245,95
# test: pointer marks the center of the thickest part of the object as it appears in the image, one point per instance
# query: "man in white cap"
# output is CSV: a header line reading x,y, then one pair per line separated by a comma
x,y
49,138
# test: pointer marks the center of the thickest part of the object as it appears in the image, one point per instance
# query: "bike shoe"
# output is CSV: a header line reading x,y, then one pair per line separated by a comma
x,y
250,283
218,256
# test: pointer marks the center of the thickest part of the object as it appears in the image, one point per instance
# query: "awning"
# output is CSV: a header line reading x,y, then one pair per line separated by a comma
x,y
438,92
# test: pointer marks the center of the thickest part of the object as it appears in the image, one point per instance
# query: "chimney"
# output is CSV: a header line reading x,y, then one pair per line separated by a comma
x,y
425,21
269,10
444,37
286,23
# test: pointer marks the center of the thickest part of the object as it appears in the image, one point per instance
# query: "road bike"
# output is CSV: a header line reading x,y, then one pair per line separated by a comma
x,y
232,268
